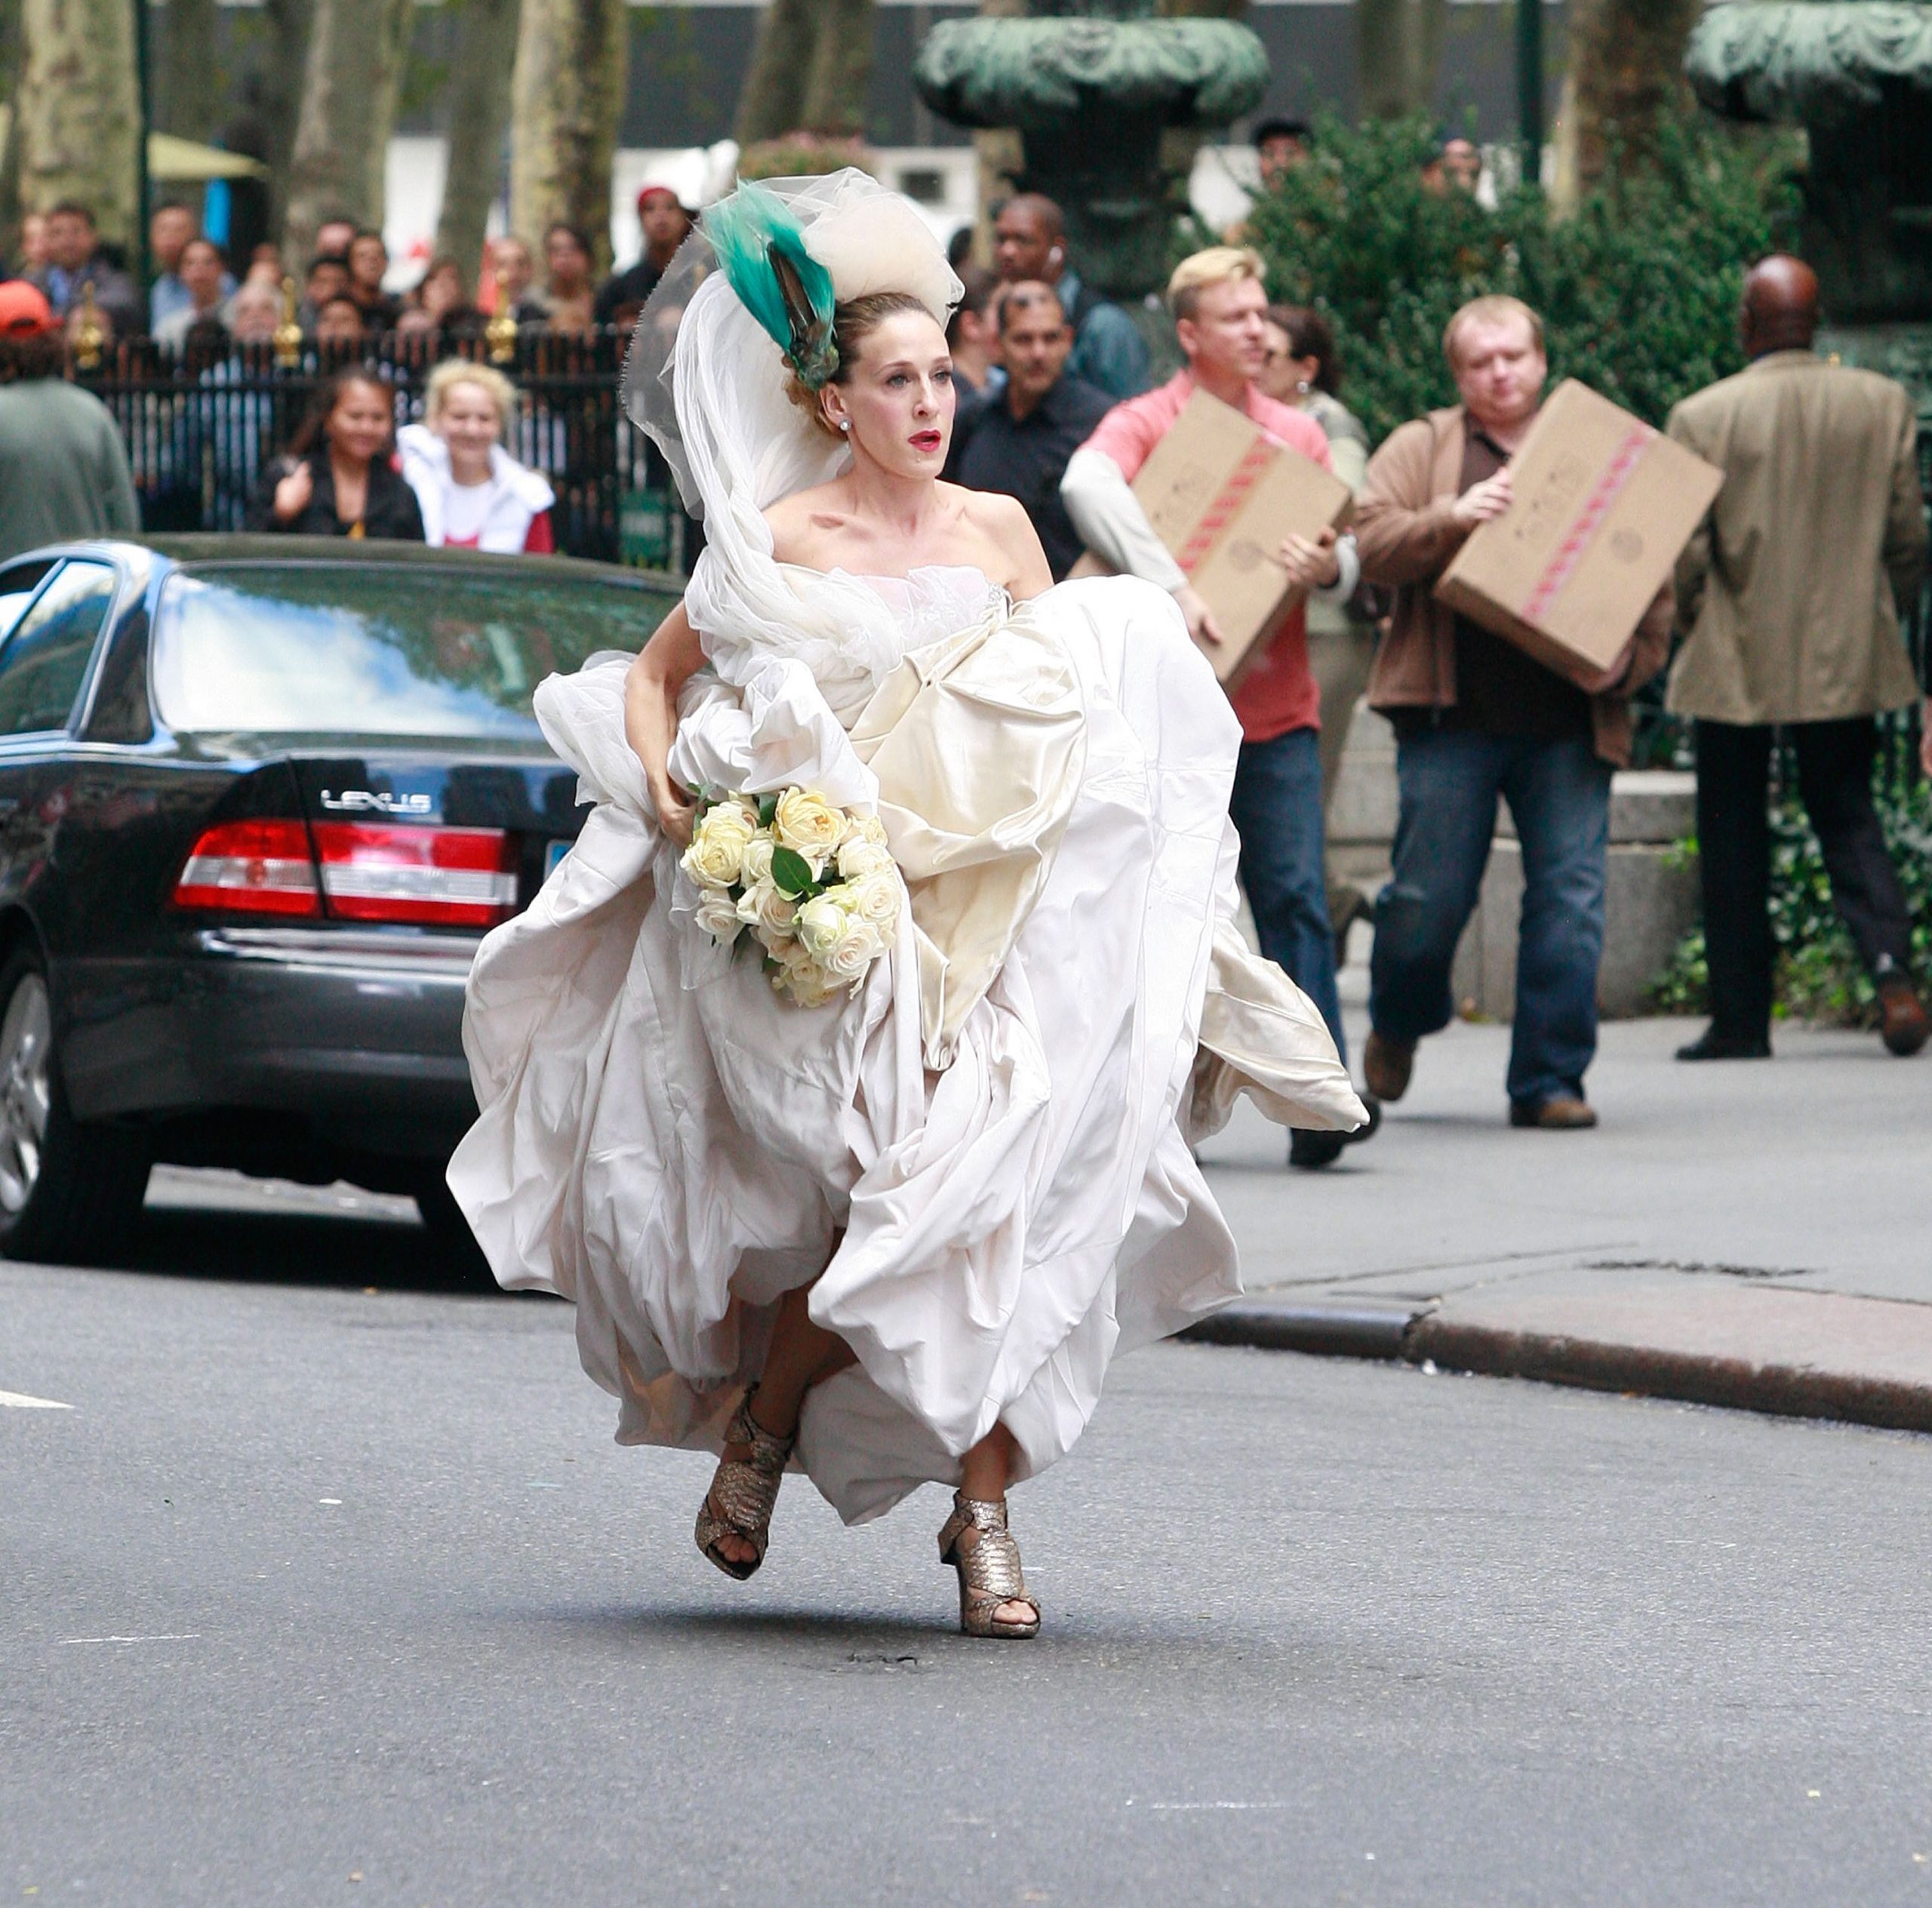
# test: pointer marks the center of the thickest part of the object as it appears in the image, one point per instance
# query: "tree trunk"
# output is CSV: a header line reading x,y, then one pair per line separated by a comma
x,y
351,83
772,100
566,100
1626,71
188,81
479,117
11,54
279,100
78,110
1398,55
842,65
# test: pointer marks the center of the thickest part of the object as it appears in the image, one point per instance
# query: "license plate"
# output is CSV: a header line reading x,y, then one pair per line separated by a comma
x,y
554,853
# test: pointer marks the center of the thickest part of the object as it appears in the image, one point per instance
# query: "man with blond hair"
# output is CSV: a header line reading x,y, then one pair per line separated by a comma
x,y
1476,718
1219,304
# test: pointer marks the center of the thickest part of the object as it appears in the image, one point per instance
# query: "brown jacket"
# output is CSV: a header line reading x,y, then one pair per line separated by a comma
x,y
1790,590
1406,535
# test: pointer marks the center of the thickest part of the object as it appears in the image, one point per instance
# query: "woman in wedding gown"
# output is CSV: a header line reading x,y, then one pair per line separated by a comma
x,y
896,1238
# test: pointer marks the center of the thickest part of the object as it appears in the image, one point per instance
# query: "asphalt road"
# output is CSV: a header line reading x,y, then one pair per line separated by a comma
x,y
322,1595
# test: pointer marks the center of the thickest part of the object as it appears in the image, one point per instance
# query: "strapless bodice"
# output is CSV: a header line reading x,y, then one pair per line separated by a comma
x,y
938,598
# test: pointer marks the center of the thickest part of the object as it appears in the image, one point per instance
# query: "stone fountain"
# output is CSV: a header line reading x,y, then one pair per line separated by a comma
x,y
1093,87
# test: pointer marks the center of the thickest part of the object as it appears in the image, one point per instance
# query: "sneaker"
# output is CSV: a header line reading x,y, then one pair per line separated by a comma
x,y
1308,1147
1386,1066
1311,1149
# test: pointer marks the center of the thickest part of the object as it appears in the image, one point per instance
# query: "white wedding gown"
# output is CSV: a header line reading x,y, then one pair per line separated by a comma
x,y
995,1134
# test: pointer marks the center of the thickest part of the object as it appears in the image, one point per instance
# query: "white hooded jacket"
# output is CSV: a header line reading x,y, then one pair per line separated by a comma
x,y
518,494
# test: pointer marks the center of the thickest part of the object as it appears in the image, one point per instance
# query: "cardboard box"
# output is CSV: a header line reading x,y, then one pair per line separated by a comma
x,y
1222,495
1604,505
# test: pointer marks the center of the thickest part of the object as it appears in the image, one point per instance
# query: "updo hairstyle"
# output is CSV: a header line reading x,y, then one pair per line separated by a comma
x,y
853,322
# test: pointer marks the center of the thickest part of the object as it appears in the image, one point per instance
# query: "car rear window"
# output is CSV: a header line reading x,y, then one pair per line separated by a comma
x,y
376,650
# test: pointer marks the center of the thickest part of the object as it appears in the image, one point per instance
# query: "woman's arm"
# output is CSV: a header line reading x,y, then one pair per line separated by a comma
x,y
666,663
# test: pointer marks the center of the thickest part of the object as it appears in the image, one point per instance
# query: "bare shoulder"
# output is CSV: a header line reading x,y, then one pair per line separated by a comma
x,y
798,522
999,526
992,513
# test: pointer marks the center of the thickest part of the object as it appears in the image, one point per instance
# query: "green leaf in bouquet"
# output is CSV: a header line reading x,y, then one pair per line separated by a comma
x,y
791,873
767,807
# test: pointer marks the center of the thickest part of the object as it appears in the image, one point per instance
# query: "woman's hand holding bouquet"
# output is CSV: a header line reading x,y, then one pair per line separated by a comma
x,y
814,883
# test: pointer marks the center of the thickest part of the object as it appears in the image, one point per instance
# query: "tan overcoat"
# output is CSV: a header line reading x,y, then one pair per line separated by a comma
x,y
1790,590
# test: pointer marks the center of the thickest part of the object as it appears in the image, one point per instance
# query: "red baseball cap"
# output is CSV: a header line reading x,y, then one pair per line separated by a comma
x,y
24,311
650,193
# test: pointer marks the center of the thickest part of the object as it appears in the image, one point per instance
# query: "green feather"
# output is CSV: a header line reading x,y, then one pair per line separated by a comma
x,y
761,249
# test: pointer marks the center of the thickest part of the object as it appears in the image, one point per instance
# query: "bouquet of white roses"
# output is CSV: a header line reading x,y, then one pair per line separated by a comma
x,y
815,884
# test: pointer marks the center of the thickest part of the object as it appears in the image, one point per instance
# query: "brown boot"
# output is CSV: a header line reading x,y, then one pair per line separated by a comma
x,y
1903,1025
1386,1067
1560,1115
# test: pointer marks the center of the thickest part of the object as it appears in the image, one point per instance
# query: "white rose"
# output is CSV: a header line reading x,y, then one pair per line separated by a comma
x,y
873,830
804,982
875,898
717,914
804,821
717,845
767,911
858,858
820,924
756,864
855,951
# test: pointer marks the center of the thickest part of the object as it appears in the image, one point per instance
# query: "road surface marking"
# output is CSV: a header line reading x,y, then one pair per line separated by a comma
x,y
20,1401
189,1636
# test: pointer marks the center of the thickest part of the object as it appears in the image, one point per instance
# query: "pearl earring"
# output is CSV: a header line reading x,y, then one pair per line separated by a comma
x,y
844,423
1301,385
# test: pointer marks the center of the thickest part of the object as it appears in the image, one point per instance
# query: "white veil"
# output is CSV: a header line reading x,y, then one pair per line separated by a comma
x,y
708,384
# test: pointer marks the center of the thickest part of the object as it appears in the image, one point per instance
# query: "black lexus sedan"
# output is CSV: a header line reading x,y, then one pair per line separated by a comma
x,y
260,797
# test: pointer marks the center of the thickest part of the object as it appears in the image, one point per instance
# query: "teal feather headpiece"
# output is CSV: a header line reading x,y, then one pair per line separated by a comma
x,y
761,248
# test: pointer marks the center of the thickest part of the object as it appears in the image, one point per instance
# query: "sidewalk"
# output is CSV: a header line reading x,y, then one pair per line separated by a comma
x,y
1749,1234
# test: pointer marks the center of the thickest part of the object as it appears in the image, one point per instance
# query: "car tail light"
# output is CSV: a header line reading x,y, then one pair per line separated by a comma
x,y
251,867
445,877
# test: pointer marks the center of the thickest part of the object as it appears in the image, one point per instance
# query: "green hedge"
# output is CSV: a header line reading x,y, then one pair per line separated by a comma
x,y
1638,290
1818,975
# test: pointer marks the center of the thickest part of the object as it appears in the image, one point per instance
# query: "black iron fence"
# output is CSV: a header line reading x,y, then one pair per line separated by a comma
x,y
200,428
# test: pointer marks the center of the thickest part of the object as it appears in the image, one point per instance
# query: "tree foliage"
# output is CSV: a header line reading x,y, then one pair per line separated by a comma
x,y
1638,289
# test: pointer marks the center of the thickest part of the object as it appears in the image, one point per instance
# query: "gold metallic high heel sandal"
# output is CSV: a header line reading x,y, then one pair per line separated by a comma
x,y
743,1493
988,1572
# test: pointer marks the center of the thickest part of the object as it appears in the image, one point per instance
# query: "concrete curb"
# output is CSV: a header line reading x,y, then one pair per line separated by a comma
x,y
1418,1334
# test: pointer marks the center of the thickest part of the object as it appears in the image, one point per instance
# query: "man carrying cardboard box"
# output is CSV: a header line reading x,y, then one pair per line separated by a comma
x,y
1790,595
1476,717
1219,306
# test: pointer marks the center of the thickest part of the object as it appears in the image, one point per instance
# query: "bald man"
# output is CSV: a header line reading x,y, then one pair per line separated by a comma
x,y
1030,242
1790,597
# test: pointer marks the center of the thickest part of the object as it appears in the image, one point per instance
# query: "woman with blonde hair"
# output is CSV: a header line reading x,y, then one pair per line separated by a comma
x,y
473,493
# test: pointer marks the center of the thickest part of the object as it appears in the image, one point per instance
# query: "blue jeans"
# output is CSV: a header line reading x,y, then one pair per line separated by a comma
x,y
1277,810
1559,794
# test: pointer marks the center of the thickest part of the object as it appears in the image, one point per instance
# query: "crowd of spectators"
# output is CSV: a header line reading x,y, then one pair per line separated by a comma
x,y
343,294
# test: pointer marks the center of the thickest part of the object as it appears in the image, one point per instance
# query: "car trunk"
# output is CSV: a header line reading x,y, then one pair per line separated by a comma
x,y
506,812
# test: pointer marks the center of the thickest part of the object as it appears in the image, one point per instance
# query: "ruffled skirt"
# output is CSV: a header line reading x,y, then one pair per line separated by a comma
x,y
991,1144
